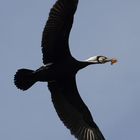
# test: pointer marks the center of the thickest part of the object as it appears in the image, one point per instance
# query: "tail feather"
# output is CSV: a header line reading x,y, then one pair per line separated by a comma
x,y
24,79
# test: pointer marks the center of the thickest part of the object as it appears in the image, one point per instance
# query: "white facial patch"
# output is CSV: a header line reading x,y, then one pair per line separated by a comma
x,y
92,59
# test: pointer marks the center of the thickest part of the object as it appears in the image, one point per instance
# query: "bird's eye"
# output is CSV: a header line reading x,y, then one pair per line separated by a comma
x,y
101,59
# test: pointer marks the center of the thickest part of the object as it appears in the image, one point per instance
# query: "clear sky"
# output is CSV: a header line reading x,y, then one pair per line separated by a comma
x,y
112,93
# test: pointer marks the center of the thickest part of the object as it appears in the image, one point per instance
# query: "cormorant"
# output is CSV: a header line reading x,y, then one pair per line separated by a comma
x,y
60,69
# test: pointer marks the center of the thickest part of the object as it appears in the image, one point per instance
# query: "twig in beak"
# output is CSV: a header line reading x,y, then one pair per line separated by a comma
x,y
113,61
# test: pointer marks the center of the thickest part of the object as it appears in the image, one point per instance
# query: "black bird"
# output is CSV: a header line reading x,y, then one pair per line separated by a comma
x,y
60,69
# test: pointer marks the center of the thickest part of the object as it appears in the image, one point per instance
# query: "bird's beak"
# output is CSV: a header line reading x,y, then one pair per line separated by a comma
x,y
112,60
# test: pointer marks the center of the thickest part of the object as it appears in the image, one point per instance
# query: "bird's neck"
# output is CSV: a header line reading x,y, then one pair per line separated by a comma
x,y
83,64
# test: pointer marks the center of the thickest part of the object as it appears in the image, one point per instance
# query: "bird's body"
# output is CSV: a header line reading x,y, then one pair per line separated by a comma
x,y
57,72
60,69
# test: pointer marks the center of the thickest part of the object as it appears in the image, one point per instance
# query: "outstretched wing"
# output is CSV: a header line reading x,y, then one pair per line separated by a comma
x,y
56,32
72,111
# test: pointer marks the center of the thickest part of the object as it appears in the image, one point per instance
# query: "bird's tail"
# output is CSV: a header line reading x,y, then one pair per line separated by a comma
x,y
24,79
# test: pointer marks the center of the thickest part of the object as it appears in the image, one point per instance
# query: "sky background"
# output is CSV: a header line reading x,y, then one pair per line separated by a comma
x,y
112,93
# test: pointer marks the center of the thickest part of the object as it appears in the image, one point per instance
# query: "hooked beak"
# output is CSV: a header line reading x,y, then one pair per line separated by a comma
x,y
112,60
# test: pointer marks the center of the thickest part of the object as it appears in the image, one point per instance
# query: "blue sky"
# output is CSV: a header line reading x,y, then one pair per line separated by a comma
x,y
112,93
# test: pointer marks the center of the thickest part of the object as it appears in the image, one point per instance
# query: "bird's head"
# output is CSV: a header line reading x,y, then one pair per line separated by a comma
x,y
101,60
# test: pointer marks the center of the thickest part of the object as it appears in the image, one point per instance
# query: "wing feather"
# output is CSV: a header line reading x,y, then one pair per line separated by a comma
x,y
72,111
56,32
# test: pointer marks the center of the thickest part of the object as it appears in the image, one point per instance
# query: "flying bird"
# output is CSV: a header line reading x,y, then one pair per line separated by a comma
x,y
60,69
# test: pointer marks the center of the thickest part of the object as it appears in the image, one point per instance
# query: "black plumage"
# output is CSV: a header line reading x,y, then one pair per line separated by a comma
x,y
60,69
56,31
